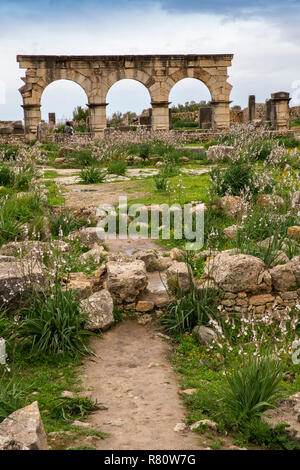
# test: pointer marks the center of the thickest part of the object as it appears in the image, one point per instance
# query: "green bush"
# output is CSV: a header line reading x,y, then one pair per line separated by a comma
x,y
252,388
84,158
92,175
144,150
117,167
261,433
161,183
184,124
19,180
289,141
52,324
9,152
7,176
237,178
169,170
263,150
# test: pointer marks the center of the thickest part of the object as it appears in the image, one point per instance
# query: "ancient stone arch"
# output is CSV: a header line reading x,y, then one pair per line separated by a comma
x,y
96,74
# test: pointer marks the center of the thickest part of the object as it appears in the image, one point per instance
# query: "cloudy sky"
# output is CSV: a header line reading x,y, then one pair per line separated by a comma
x,y
263,35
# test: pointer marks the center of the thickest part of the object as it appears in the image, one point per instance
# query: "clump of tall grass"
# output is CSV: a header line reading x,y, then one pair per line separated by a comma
x,y
53,324
117,167
253,387
92,175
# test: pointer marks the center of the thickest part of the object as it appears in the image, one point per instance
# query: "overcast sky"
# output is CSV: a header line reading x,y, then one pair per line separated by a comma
x,y
263,35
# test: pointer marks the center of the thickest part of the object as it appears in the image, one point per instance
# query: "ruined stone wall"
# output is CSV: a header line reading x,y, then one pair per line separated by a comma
x,y
243,302
246,285
10,139
82,138
236,116
295,112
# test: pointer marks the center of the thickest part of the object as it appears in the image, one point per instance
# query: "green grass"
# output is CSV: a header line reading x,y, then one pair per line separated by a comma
x,y
195,190
43,380
203,369
49,174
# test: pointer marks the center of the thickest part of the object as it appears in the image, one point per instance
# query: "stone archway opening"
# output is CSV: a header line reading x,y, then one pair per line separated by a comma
x,y
61,97
189,102
126,100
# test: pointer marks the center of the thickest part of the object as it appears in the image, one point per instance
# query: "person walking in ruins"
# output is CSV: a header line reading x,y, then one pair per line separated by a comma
x,y
69,129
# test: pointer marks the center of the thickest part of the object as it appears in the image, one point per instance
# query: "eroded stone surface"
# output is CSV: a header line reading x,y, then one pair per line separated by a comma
x,y
126,281
25,426
99,310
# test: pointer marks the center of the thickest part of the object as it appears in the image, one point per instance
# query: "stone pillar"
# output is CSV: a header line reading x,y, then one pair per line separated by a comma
x,y
251,108
220,114
97,115
268,105
281,101
42,132
32,117
205,117
51,120
160,115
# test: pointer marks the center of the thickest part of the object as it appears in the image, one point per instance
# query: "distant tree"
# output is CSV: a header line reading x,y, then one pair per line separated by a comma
x,y
188,106
236,108
80,113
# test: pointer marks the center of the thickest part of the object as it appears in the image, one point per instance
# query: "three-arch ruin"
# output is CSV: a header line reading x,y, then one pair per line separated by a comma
x,y
96,74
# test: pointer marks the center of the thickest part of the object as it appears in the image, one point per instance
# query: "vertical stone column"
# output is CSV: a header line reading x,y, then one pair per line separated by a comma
x,y
205,117
160,115
32,117
51,120
281,101
220,114
97,115
251,108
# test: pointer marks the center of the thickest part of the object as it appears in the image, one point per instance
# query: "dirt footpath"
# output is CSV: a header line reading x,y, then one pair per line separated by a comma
x,y
133,378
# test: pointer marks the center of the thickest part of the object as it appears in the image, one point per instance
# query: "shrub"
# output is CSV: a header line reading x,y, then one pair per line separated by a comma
x,y
84,158
144,150
169,170
289,141
7,176
263,150
236,179
161,183
261,433
24,176
53,324
9,152
117,167
184,124
252,388
92,175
